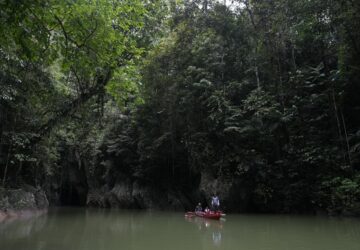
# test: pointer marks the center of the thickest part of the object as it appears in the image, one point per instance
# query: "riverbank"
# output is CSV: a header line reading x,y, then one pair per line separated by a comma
x,y
23,202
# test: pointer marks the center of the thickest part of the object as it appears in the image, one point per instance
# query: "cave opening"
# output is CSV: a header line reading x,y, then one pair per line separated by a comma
x,y
73,195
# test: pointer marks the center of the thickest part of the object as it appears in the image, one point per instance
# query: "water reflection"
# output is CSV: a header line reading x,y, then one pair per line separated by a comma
x,y
215,227
80,229
22,227
216,238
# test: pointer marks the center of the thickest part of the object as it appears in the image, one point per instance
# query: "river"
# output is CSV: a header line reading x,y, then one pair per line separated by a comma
x,y
89,229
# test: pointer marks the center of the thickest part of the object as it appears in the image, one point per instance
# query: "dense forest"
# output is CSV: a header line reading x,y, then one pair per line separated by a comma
x,y
159,104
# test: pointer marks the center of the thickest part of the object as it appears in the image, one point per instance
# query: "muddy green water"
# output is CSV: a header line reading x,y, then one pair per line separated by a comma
x,y
80,229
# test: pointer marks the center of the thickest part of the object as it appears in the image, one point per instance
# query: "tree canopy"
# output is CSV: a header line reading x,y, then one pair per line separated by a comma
x,y
262,94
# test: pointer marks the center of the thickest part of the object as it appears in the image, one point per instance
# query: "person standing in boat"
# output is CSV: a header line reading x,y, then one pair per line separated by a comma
x,y
215,202
198,208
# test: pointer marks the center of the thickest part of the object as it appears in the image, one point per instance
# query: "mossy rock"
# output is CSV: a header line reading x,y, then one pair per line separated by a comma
x,y
4,201
21,200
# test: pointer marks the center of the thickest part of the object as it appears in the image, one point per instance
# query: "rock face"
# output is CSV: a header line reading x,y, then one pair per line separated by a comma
x,y
15,202
234,196
134,194
129,194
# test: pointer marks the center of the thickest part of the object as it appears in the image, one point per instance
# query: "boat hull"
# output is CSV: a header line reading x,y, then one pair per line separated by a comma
x,y
207,215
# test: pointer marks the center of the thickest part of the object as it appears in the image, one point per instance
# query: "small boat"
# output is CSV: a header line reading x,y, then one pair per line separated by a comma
x,y
208,215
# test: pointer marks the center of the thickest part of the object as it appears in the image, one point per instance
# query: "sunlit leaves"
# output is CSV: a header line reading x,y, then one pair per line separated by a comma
x,y
125,86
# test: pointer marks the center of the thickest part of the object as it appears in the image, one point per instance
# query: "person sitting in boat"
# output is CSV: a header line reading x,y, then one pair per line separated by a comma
x,y
215,202
207,210
198,208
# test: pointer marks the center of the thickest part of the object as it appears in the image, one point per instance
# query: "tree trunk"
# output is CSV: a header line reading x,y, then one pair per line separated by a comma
x,y
7,164
338,124
346,137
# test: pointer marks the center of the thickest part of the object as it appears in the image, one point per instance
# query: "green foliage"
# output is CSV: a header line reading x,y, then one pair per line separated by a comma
x,y
167,91
125,87
56,57
341,195
255,95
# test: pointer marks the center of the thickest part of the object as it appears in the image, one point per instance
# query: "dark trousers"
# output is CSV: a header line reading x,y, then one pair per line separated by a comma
x,y
215,207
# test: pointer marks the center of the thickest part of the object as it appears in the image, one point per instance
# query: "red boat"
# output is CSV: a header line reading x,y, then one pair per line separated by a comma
x,y
208,215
